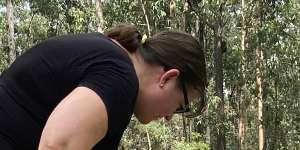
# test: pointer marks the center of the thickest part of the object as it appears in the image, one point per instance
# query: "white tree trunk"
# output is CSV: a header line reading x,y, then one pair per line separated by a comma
x,y
148,139
259,60
259,98
184,19
10,22
172,6
241,123
99,16
146,17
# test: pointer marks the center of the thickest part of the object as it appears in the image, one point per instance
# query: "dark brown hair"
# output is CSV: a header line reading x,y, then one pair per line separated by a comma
x,y
127,35
170,49
180,50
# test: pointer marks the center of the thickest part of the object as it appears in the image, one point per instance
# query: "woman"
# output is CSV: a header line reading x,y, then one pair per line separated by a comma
x,y
80,91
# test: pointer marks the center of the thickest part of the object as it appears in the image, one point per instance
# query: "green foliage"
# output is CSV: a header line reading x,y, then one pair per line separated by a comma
x,y
279,34
3,41
196,144
162,135
190,146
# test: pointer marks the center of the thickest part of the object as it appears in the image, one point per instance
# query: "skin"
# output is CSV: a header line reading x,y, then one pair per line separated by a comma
x,y
80,120
159,94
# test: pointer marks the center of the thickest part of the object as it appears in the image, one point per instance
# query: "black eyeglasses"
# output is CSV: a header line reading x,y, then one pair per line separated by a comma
x,y
186,107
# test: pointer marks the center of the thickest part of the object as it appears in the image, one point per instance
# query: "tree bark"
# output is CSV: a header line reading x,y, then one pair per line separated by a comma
x,y
242,98
184,20
219,48
184,128
172,7
88,2
148,139
259,59
208,135
200,26
219,77
190,123
259,97
11,39
146,17
99,16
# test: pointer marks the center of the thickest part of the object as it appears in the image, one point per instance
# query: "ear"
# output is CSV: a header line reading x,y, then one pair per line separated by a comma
x,y
167,76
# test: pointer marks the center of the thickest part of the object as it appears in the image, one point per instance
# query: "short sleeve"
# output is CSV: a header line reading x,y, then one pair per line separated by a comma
x,y
115,81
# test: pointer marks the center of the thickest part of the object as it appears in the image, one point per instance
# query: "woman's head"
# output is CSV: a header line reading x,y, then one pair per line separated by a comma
x,y
173,62
182,59
178,50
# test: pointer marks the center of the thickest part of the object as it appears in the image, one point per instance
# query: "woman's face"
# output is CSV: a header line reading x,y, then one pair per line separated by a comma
x,y
159,98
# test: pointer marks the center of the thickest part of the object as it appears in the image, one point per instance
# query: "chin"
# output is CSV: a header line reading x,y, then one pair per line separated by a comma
x,y
143,120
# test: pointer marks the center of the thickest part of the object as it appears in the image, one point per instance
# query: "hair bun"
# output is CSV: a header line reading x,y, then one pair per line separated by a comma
x,y
127,35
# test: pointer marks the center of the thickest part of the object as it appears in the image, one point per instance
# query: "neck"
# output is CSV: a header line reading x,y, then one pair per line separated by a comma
x,y
144,71
135,58
140,65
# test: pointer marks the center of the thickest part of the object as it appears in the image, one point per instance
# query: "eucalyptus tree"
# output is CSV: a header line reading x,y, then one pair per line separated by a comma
x,y
11,32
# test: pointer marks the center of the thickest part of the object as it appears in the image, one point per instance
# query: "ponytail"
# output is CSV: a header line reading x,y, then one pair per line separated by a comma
x,y
127,35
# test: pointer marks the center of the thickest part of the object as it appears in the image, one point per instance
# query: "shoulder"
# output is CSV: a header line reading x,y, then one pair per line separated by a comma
x,y
77,41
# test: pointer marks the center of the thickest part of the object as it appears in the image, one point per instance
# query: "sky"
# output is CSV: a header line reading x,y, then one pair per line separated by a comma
x,y
2,9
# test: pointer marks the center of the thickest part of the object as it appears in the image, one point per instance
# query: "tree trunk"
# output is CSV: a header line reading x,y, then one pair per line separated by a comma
x,y
259,97
11,39
146,17
219,77
242,98
259,59
208,135
200,27
241,115
184,20
190,123
172,7
184,128
88,2
99,16
148,139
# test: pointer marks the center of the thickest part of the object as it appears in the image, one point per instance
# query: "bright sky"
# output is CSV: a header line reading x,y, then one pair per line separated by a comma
x,y
2,9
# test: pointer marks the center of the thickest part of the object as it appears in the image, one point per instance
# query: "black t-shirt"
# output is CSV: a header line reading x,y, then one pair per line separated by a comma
x,y
39,79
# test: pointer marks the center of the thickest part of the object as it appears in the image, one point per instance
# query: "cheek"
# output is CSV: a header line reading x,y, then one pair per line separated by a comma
x,y
177,100
170,104
157,104
147,109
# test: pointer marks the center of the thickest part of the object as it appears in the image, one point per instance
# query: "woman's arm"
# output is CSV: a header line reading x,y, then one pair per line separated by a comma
x,y
77,123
